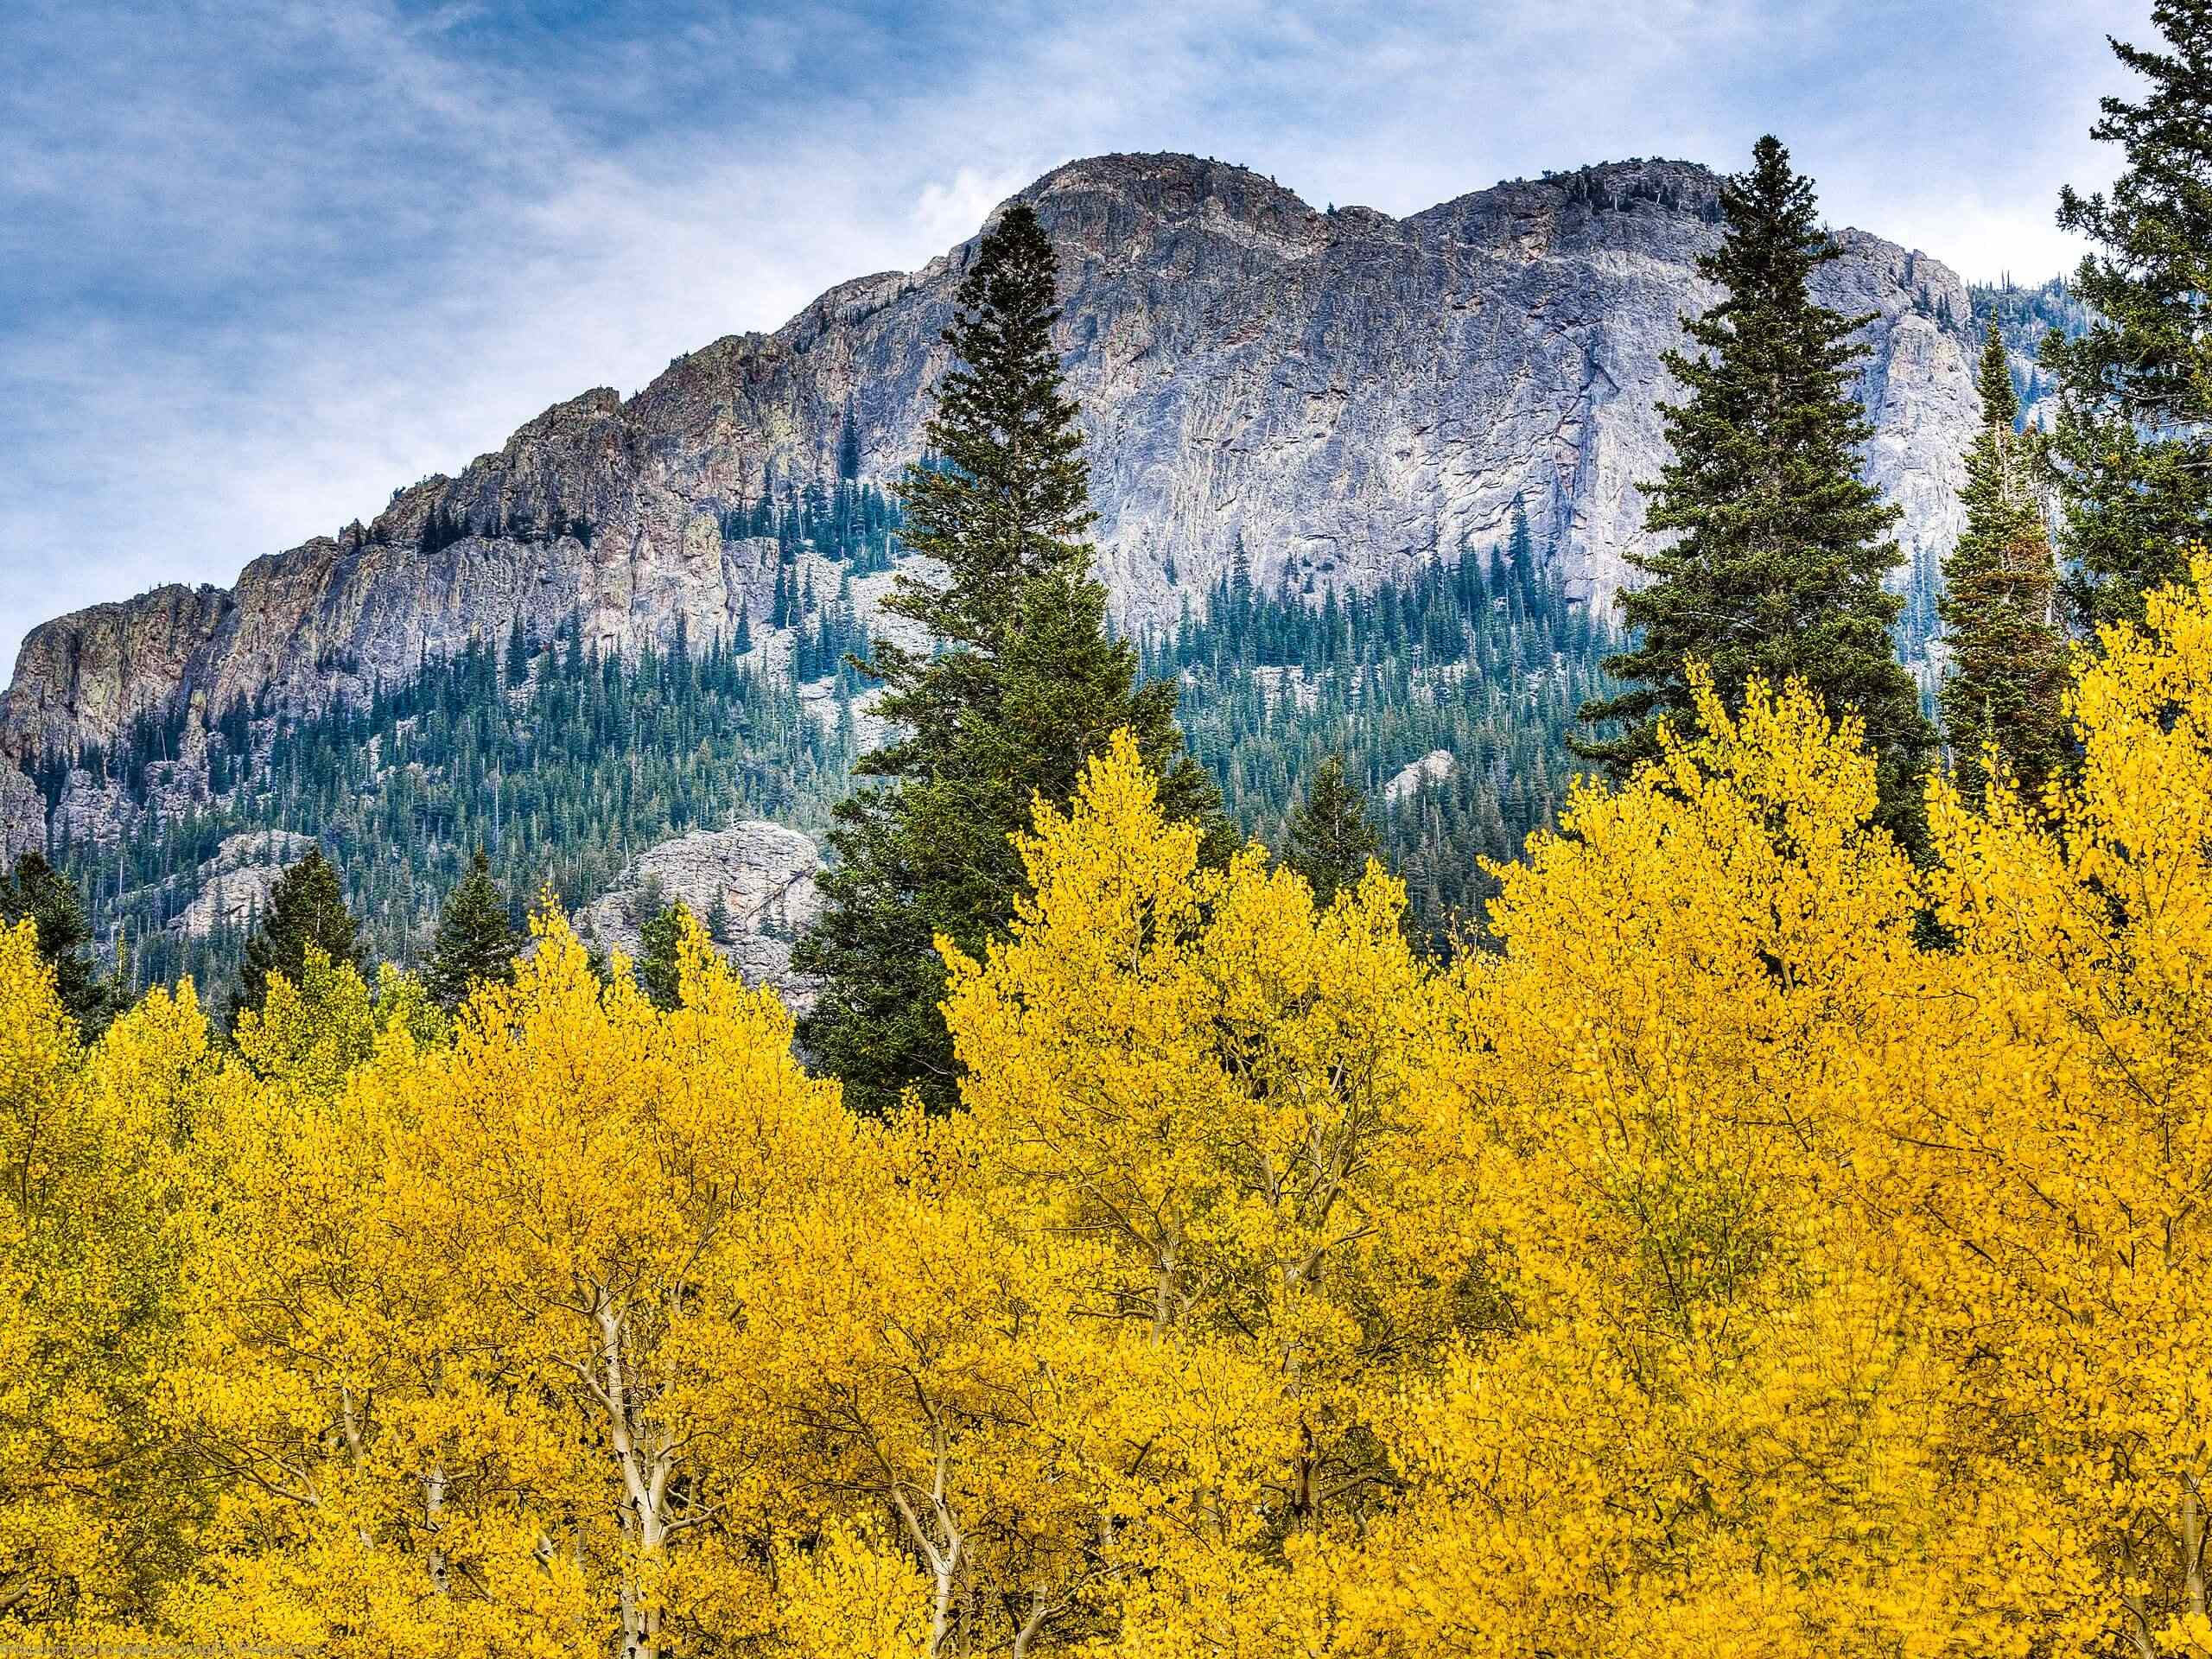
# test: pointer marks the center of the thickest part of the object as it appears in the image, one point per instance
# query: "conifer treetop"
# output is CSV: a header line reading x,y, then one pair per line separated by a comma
x,y
1005,493
1330,838
305,907
2007,676
1031,684
1776,546
2132,446
475,942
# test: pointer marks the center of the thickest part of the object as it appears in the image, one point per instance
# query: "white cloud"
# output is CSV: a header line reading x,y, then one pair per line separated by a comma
x,y
946,212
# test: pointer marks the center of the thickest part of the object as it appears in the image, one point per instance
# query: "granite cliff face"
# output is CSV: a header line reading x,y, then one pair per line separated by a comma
x,y
1345,394
233,888
22,816
754,883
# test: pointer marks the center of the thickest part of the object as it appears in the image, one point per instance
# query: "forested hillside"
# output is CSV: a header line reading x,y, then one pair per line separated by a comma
x,y
1411,384
562,763
1483,659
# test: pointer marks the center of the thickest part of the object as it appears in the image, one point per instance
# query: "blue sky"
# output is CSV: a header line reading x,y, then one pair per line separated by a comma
x,y
261,261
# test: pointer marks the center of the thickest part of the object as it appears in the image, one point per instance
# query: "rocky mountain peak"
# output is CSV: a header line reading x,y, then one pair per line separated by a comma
x,y
1345,398
1116,206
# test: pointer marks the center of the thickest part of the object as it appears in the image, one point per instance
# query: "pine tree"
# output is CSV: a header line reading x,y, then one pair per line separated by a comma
x,y
1028,686
2133,441
849,446
36,892
475,942
1330,839
657,966
1779,546
305,907
2008,659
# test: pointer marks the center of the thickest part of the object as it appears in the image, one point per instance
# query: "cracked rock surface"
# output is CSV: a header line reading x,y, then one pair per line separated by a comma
x,y
759,875
1343,393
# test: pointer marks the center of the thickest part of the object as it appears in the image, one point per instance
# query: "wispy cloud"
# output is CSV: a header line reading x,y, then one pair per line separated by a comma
x,y
262,260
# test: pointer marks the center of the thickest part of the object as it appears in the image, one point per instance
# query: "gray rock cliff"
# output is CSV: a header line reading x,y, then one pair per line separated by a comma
x,y
233,888
759,875
1345,393
22,816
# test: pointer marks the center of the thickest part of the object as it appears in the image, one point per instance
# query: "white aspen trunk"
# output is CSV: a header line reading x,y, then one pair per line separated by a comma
x,y
2192,1547
644,1485
1030,1626
940,1543
434,1503
941,1563
350,1425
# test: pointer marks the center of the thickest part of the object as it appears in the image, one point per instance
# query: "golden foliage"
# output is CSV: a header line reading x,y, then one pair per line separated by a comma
x,y
1770,1248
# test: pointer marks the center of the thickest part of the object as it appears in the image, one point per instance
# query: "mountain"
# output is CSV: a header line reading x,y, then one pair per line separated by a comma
x,y
1283,403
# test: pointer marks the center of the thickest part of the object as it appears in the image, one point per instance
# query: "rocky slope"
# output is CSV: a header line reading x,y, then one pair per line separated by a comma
x,y
751,884
233,888
1344,394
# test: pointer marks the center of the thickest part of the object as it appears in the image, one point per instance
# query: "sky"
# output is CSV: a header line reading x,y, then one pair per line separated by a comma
x,y
264,261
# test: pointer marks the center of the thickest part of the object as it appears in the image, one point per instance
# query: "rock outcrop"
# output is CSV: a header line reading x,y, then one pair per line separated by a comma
x,y
1409,780
1342,394
22,816
755,878
233,888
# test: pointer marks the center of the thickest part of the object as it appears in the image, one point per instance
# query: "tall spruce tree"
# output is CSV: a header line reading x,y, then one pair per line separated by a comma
x,y
305,907
2008,657
849,446
475,942
2132,441
1779,546
1025,684
1330,839
659,965
36,892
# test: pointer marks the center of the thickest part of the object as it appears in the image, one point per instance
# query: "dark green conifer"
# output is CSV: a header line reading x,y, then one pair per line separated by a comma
x,y
1779,547
656,967
2133,441
1330,839
306,906
36,892
2008,659
475,942
1026,686
848,446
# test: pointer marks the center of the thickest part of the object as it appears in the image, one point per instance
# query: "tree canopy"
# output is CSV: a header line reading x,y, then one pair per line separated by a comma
x,y
1717,1267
